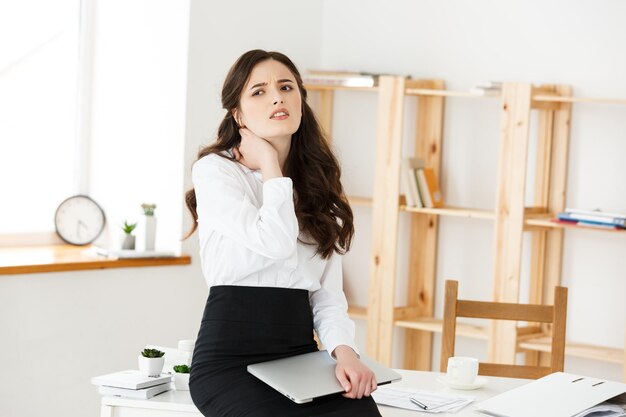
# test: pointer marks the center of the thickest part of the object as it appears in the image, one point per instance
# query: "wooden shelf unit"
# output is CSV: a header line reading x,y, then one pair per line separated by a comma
x,y
512,219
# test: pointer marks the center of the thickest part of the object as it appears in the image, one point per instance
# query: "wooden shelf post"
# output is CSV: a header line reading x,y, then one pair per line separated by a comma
x,y
509,221
424,228
550,192
385,214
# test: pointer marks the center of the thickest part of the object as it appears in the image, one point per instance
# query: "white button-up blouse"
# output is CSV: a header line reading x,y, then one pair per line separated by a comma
x,y
248,234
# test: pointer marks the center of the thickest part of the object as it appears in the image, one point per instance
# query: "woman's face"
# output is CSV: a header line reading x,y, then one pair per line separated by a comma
x,y
270,104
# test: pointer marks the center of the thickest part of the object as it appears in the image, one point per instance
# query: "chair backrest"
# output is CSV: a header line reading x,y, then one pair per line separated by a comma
x,y
554,314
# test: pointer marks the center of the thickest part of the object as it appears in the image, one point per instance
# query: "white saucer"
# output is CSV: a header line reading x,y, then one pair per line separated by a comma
x,y
479,382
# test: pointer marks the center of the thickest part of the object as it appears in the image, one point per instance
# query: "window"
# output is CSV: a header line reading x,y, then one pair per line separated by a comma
x,y
39,73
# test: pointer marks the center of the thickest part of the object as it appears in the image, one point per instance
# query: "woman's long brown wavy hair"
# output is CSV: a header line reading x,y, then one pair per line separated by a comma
x,y
321,206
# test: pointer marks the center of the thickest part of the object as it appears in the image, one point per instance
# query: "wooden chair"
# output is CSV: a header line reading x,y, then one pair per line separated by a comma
x,y
555,314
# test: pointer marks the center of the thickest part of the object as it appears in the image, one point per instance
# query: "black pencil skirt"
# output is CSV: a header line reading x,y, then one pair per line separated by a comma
x,y
246,325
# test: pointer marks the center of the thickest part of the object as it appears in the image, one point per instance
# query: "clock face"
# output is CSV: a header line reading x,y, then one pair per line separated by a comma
x,y
79,220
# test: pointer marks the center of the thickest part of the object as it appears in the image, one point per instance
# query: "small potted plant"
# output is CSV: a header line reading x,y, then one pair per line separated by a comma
x,y
181,377
151,362
149,226
129,238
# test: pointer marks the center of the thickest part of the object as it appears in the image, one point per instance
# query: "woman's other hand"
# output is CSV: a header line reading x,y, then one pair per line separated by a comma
x,y
257,153
356,378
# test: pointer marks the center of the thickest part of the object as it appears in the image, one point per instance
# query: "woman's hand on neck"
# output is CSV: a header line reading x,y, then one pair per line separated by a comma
x,y
268,155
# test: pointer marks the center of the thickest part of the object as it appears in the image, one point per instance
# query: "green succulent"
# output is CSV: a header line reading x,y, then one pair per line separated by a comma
x,y
182,369
148,209
152,353
128,228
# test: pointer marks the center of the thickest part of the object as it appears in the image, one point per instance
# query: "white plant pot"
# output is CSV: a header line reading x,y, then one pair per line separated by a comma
x,y
150,366
181,381
128,242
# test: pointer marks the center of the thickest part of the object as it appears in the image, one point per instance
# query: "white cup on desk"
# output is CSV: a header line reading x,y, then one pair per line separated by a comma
x,y
462,369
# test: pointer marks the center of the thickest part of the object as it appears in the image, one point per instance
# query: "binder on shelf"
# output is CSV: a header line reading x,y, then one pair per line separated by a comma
x,y
346,79
409,179
487,88
556,395
429,188
595,213
342,78
593,218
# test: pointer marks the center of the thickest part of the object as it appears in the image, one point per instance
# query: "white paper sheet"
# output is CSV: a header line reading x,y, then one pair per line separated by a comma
x,y
435,401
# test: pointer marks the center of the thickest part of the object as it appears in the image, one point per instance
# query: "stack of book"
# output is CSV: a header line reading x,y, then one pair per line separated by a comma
x,y
420,184
131,384
97,251
340,78
594,218
487,88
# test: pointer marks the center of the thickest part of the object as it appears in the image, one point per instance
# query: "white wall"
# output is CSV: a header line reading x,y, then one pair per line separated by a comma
x,y
138,123
153,62
571,42
60,329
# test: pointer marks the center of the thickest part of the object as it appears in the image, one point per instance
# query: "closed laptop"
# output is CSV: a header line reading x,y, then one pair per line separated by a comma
x,y
302,378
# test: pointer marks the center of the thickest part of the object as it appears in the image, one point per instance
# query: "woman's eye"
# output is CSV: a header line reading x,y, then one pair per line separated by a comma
x,y
287,88
258,93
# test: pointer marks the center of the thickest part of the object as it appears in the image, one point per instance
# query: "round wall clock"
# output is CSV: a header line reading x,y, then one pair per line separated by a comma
x,y
79,220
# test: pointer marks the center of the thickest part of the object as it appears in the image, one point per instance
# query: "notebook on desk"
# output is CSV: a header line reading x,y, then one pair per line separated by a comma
x,y
302,378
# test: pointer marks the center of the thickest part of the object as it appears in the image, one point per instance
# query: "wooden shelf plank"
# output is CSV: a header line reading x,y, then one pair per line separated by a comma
x,y
453,211
569,99
360,201
445,93
579,350
547,222
357,312
430,324
547,98
54,258
315,87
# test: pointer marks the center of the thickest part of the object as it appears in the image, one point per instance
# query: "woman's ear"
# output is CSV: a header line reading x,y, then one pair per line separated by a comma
x,y
237,117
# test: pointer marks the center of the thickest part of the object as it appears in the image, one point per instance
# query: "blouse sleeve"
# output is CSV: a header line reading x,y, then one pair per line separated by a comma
x,y
330,309
223,205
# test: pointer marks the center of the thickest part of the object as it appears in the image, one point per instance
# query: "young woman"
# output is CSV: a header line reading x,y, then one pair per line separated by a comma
x,y
273,221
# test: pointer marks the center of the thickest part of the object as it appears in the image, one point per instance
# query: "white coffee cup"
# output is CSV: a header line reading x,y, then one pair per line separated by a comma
x,y
462,370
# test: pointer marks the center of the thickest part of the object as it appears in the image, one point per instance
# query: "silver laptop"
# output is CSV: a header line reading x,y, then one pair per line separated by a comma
x,y
302,378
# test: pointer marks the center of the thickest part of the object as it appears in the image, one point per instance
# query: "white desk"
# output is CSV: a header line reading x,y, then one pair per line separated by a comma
x,y
179,404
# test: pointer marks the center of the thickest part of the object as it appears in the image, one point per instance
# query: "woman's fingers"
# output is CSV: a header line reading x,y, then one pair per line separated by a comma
x,y
361,385
361,379
343,379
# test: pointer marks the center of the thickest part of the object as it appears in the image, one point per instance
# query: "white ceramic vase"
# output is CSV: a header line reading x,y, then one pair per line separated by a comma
x,y
149,230
150,366
181,381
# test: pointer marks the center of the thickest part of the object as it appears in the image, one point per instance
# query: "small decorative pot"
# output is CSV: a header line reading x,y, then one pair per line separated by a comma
x,y
128,242
151,366
181,381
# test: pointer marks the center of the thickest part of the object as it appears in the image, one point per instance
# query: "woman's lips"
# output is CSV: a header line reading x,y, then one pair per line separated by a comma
x,y
281,114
